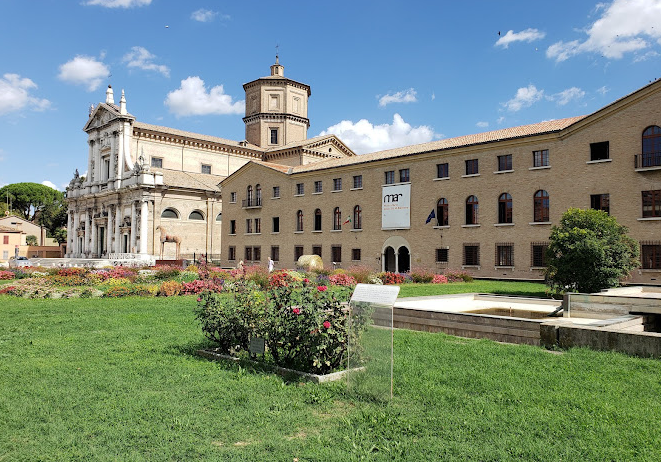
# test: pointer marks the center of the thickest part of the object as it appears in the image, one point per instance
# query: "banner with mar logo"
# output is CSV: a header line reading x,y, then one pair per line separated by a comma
x,y
396,206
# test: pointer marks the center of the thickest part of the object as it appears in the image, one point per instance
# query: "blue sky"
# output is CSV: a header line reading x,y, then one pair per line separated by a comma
x,y
383,74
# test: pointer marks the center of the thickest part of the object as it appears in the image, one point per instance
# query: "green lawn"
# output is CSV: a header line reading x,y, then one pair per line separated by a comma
x,y
117,379
526,289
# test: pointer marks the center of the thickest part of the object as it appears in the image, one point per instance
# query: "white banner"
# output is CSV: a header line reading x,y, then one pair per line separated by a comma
x,y
396,206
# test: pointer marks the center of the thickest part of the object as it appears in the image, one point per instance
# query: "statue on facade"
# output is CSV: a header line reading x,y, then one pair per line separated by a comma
x,y
165,237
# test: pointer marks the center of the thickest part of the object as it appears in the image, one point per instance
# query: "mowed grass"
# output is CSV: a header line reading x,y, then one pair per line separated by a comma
x,y
525,289
118,379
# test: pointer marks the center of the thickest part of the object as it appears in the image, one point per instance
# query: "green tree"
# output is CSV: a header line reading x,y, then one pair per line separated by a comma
x,y
30,199
60,235
589,251
31,239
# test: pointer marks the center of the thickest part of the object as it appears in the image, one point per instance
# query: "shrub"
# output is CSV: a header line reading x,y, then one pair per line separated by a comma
x,y
6,275
458,276
170,288
360,273
439,279
117,291
199,285
164,272
421,275
342,280
71,271
392,278
257,274
70,280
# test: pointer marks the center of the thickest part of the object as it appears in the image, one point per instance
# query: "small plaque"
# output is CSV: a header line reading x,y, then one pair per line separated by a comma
x,y
257,346
378,294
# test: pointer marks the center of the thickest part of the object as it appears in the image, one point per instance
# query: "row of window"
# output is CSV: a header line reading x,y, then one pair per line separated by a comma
x,y
254,253
504,254
158,163
319,186
194,215
356,219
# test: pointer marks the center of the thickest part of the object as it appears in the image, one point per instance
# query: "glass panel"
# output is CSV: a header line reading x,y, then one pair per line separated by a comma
x,y
370,341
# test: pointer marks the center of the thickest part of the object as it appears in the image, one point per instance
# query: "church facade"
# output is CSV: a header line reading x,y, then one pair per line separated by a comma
x,y
147,184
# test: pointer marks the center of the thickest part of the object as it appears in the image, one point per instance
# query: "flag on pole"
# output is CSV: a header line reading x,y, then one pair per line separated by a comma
x,y
348,220
431,216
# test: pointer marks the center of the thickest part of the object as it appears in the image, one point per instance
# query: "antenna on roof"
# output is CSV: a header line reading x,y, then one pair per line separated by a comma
x,y
277,53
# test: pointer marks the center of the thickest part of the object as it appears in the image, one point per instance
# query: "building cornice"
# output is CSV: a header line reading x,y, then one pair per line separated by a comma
x,y
275,117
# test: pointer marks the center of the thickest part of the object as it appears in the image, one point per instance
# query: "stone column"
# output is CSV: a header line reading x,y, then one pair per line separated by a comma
x,y
76,225
97,159
70,235
144,214
109,231
93,243
120,157
134,225
86,239
91,172
118,222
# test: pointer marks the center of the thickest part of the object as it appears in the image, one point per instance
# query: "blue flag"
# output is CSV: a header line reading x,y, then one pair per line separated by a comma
x,y
431,216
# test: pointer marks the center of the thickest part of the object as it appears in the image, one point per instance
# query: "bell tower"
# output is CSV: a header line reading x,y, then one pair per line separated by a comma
x,y
276,109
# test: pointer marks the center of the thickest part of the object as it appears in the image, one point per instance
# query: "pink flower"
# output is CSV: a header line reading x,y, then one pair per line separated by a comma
x,y
326,324
321,288
296,310
199,299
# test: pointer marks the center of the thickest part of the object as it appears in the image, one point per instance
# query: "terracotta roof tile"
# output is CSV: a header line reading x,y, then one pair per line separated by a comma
x,y
191,180
198,136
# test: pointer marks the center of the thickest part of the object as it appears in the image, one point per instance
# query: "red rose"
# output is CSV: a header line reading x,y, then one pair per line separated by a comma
x,y
306,280
326,324
296,310
321,288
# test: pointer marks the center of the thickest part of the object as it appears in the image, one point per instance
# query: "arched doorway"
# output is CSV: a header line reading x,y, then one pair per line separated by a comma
x,y
403,260
396,255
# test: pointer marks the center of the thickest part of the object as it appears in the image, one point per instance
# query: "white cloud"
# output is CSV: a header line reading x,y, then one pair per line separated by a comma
x,y
15,95
433,96
49,184
142,59
482,124
528,35
646,56
364,137
203,15
192,98
500,120
603,90
404,96
525,97
570,94
625,26
84,70
118,3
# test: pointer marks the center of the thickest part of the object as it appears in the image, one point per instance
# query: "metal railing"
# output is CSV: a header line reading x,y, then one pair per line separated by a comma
x,y
648,160
254,202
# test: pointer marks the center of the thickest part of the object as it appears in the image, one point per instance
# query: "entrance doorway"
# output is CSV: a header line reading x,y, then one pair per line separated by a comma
x,y
396,255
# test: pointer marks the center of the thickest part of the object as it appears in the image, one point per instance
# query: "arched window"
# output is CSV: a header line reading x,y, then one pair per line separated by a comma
x,y
472,210
299,220
337,218
442,217
249,196
357,217
541,206
258,193
169,213
652,147
196,215
219,217
505,208
317,220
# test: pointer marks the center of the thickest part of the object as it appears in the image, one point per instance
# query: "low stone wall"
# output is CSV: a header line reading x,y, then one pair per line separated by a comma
x,y
597,306
501,329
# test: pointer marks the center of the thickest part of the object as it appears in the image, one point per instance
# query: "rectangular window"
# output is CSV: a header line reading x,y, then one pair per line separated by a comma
x,y
231,254
404,175
540,158
5,254
274,136
155,162
471,254
300,189
357,181
337,184
318,187
505,162
441,255
472,167
651,203
336,253
273,102
600,202
505,254
248,225
5,239
442,170
275,253
298,252
257,253
599,151
248,254
232,226
390,177
276,224
232,197
355,254
206,168
258,225
106,168
538,254
316,250
276,191
650,255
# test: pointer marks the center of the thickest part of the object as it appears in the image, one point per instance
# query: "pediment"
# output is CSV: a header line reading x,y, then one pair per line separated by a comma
x,y
104,114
